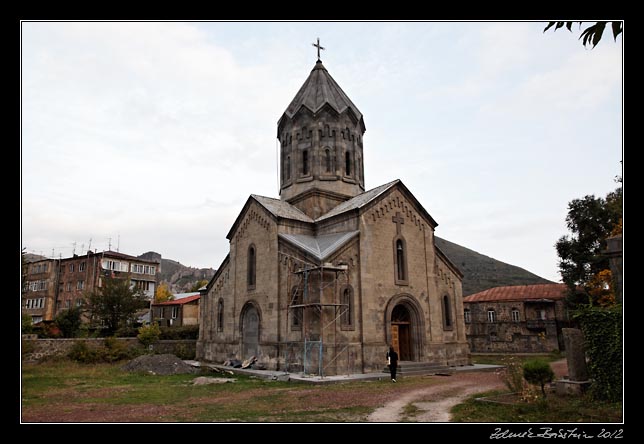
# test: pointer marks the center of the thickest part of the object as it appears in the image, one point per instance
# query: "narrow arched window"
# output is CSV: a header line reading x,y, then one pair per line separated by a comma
x,y
516,316
447,316
220,315
288,167
346,319
401,261
491,315
328,160
305,163
252,260
347,163
467,314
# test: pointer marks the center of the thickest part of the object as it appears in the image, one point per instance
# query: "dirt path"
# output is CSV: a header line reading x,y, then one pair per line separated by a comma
x,y
432,404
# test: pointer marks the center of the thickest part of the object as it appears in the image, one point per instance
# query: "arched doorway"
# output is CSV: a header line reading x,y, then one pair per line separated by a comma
x,y
405,330
401,332
250,331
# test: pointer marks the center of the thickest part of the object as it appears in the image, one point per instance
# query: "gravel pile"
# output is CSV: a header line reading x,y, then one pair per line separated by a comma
x,y
166,364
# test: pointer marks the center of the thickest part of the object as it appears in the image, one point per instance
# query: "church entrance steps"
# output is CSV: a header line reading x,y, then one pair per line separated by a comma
x,y
411,368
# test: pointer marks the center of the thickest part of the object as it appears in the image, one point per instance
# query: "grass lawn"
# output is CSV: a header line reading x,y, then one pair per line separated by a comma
x,y
554,409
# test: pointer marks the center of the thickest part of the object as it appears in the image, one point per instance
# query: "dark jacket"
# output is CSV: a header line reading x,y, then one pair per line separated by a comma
x,y
393,357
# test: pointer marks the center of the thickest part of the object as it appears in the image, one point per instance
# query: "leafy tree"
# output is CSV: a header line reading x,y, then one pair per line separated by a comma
x,y
163,293
582,264
197,285
115,303
69,322
591,34
149,334
27,324
538,372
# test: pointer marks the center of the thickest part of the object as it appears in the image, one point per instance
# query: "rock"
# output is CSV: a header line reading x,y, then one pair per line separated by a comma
x,y
206,380
575,355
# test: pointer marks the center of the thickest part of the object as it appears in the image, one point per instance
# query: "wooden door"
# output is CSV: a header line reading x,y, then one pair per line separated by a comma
x,y
404,342
394,339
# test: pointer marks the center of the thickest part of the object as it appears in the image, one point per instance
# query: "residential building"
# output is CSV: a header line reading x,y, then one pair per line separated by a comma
x,y
181,311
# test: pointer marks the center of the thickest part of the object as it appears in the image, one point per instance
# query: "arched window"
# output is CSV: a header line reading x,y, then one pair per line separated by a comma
x,y
220,315
467,314
327,154
305,163
491,315
347,163
288,167
252,260
400,259
346,299
516,316
447,315
296,313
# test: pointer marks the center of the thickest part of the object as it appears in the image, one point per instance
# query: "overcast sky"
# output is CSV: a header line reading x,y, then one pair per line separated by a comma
x,y
154,134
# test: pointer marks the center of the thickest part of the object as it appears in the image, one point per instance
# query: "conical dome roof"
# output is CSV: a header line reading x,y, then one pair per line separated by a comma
x,y
319,90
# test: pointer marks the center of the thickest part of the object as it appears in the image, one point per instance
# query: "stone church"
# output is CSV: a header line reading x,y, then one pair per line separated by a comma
x,y
325,278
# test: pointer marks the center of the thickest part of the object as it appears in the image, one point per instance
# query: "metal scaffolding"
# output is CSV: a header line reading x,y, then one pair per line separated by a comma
x,y
317,313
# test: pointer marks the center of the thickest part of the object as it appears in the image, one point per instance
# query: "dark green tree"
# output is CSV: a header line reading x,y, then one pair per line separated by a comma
x,y
538,372
69,322
592,34
590,220
114,304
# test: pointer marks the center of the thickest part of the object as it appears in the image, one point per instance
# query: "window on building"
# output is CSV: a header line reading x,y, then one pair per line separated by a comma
x,y
220,315
400,256
467,314
447,314
79,302
71,268
491,315
347,163
251,272
153,270
516,317
327,155
175,311
36,319
347,307
542,315
80,285
81,266
288,168
68,287
68,303
296,313
305,162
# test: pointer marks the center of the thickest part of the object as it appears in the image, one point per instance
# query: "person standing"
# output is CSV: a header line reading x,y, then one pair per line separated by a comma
x,y
392,361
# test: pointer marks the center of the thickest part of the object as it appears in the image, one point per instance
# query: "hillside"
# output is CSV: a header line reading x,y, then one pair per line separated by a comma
x,y
482,272
180,278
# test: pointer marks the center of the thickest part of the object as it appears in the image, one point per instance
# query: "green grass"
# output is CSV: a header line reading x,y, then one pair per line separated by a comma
x,y
553,409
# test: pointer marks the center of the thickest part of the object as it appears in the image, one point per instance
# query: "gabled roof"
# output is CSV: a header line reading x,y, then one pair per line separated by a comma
x,y
180,301
519,293
363,199
319,90
321,246
277,208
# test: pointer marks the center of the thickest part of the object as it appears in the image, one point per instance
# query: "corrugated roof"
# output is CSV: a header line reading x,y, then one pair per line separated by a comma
x,y
282,209
358,201
318,90
180,301
519,293
319,246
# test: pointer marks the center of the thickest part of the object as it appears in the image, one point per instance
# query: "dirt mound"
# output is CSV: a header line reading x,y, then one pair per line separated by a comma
x,y
158,365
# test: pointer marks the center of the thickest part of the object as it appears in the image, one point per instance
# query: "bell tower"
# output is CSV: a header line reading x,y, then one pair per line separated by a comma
x,y
321,152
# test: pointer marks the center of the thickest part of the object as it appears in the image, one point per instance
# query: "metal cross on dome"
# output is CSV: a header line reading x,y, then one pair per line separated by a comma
x,y
318,47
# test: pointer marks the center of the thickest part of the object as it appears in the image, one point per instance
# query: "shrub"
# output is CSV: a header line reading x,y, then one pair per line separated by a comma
x,y
112,350
602,328
149,334
186,332
27,324
512,374
80,352
182,351
127,332
69,322
538,372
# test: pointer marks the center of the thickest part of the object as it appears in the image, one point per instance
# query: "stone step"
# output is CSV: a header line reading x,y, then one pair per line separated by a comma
x,y
410,368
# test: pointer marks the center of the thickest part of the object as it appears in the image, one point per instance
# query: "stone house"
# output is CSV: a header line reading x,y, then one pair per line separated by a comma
x,y
181,311
516,319
325,278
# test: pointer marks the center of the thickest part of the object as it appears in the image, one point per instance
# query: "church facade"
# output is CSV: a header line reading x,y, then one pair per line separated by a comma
x,y
324,279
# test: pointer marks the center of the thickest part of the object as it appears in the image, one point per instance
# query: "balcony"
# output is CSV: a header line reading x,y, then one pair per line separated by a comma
x,y
538,324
